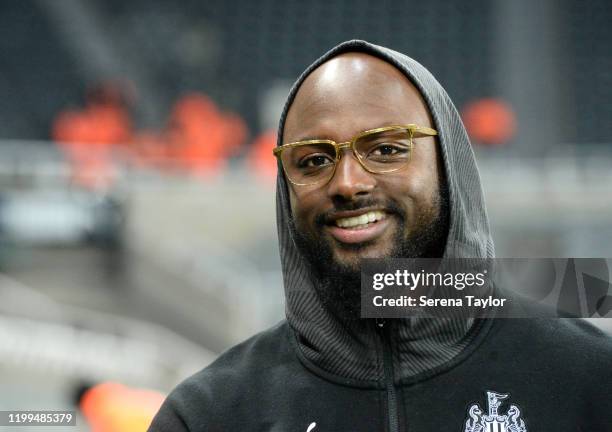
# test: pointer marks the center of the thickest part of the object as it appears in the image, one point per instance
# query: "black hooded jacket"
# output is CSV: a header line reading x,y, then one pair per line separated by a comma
x,y
313,373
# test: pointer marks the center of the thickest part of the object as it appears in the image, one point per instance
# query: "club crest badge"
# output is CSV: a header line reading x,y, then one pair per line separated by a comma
x,y
478,421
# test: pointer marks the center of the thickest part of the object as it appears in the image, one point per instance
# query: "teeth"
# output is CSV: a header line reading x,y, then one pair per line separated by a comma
x,y
360,220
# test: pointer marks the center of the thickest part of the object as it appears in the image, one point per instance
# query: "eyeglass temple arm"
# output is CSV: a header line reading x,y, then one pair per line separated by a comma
x,y
424,131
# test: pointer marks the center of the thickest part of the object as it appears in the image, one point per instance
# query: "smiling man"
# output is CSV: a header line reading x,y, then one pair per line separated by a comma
x,y
380,193
375,162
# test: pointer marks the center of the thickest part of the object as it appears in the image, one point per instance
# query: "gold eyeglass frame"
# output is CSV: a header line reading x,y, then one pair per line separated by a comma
x,y
414,131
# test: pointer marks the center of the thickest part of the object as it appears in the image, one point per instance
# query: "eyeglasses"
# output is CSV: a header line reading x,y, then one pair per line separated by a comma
x,y
379,151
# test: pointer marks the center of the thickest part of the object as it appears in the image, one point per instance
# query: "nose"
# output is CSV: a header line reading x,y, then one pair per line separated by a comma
x,y
350,181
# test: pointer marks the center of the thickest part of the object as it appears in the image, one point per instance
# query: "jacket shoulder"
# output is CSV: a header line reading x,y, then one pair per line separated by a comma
x,y
266,349
570,332
567,345
205,400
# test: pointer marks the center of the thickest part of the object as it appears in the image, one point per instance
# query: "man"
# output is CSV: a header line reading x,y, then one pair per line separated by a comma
x,y
376,163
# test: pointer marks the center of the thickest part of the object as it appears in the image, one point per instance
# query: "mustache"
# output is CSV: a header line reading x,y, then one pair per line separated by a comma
x,y
389,206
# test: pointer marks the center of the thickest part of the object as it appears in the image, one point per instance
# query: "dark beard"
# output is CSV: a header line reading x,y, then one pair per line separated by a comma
x,y
339,286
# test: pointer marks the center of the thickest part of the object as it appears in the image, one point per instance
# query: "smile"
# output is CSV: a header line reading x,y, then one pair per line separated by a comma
x,y
361,221
360,228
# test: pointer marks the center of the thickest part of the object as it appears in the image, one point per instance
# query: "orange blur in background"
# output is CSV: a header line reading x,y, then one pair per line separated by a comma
x,y
489,121
114,407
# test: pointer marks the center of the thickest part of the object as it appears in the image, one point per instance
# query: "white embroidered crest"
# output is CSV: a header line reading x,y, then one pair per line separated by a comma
x,y
493,421
311,426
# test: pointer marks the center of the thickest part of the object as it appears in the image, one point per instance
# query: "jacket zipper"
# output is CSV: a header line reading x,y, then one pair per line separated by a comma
x,y
383,329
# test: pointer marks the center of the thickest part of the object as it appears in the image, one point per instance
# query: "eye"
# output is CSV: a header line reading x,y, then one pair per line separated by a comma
x,y
388,149
315,161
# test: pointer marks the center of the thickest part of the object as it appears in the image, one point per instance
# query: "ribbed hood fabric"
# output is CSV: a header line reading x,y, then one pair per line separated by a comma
x,y
350,352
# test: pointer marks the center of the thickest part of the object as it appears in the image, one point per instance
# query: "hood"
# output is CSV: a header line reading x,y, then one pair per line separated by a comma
x,y
350,352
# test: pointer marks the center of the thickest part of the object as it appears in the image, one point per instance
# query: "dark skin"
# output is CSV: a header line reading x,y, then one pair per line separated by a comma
x,y
344,96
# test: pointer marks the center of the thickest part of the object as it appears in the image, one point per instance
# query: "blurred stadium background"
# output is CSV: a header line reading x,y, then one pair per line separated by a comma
x,y
137,224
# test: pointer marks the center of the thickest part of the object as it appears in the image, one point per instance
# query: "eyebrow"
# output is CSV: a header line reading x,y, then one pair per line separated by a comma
x,y
308,138
311,138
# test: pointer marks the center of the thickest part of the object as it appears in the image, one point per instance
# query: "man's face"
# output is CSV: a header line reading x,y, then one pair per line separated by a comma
x,y
346,95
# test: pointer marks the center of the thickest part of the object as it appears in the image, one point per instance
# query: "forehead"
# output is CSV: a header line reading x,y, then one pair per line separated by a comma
x,y
351,93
